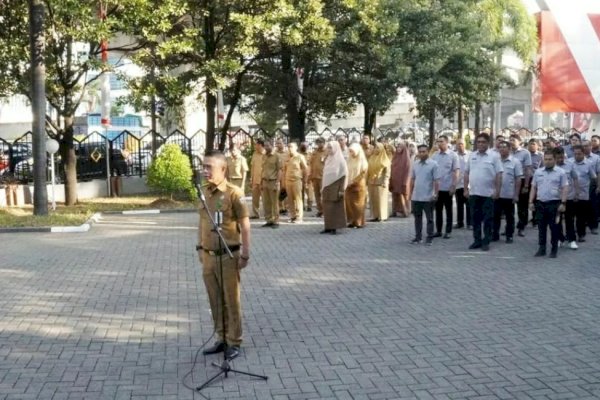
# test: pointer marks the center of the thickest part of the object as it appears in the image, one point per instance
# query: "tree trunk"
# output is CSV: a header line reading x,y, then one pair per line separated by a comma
x,y
431,126
477,127
69,162
296,117
237,94
461,120
211,104
369,120
38,105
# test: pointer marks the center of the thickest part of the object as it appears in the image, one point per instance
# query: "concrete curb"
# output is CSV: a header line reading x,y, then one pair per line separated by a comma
x,y
88,224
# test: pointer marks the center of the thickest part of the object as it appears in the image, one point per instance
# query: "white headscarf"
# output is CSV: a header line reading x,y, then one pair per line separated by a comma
x,y
335,166
356,164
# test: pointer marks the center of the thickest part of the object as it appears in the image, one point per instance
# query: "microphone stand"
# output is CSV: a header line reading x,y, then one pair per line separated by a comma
x,y
224,366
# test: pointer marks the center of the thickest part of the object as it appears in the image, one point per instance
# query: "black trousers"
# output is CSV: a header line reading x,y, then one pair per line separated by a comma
x,y
462,203
523,209
418,208
444,201
594,208
546,213
504,207
482,213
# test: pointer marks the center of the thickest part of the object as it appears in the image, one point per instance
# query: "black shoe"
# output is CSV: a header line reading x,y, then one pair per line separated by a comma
x,y
359,226
254,217
541,252
581,239
428,241
485,247
509,240
218,347
437,235
268,224
324,231
474,246
446,236
308,209
319,214
351,226
459,226
503,233
496,239
415,241
520,233
333,232
274,225
553,252
232,352
375,220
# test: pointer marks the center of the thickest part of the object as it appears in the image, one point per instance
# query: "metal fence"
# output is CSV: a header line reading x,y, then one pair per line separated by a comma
x,y
16,161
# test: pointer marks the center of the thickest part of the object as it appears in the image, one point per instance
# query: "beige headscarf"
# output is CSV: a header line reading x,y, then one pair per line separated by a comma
x,y
335,166
378,161
356,164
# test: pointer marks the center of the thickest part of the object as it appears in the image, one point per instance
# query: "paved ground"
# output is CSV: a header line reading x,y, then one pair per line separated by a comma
x,y
119,312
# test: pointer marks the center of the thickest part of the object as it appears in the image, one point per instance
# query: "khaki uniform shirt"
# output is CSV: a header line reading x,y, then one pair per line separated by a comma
x,y
283,157
295,168
236,167
228,199
271,167
317,162
256,168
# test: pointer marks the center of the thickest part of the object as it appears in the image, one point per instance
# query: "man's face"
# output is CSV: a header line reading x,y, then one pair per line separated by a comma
x,y
587,148
574,141
442,144
279,145
423,153
482,144
320,145
533,147
460,146
292,148
499,139
550,144
579,155
504,150
366,140
560,159
213,170
259,147
268,147
595,143
514,143
549,160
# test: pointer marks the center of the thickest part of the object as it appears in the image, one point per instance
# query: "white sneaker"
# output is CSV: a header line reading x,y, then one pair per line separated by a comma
x,y
561,243
573,245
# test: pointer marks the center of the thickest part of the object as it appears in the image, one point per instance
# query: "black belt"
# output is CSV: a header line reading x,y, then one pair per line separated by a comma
x,y
219,252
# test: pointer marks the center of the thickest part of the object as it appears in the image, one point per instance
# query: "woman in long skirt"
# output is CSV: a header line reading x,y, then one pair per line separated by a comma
x,y
378,177
356,192
335,174
399,182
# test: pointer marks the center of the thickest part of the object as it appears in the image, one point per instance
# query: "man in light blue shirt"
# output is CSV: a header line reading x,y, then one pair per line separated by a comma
x,y
448,169
425,185
594,160
549,190
483,181
587,177
572,205
462,203
509,193
524,156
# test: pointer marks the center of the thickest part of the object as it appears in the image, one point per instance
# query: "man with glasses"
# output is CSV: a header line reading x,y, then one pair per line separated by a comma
x,y
483,181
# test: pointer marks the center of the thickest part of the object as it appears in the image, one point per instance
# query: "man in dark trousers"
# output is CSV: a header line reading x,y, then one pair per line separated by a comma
x,y
425,184
549,191
483,181
509,193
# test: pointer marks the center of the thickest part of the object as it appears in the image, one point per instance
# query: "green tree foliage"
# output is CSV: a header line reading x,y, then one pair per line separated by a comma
x,y
171,172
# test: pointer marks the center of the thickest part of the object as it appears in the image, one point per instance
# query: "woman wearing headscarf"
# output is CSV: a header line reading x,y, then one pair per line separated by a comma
x,y
356,192
378,176
335,174
399,182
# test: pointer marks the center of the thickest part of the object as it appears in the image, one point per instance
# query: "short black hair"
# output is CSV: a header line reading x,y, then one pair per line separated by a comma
x,y
443,137
260,141
577,135
485,136
577,147
550,152
505,142
557,151
532,141
515,136
595,136
422,145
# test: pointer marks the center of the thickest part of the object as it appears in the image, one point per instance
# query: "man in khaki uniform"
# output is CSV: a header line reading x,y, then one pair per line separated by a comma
x,y
283,155
237,168
307,189
225,201
271,176
256,176
295,172
317,162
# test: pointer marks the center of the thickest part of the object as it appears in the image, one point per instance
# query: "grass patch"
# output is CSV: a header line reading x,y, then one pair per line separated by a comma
x,y
17,217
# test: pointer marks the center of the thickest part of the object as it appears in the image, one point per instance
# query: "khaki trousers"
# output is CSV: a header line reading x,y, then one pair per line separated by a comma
x,y
256,192
294,199
316,184
231,287
309,192
270,196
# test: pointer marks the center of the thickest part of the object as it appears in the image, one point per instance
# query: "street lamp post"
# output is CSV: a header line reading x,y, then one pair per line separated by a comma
x,y
52,148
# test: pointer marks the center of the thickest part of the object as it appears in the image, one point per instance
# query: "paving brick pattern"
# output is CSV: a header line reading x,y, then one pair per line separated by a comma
x,y
119,312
